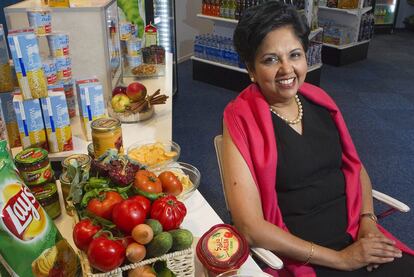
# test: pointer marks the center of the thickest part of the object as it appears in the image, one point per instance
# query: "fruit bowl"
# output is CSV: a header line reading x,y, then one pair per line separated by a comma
x,y
154,154
129,117
188,174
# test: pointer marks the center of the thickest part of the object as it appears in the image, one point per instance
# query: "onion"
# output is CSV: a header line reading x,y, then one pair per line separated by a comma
x,y
135,252
142,233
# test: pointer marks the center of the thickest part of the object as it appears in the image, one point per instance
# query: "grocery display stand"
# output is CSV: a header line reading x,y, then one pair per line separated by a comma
x,y
354,50
233,77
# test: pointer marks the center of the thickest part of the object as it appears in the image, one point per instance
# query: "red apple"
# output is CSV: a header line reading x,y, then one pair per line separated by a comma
x,y
118,90
136,91
120,102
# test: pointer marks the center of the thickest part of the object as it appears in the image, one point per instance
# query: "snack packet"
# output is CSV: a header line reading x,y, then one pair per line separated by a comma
x,y
30,243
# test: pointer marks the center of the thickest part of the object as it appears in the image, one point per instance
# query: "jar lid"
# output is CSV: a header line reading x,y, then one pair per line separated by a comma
x,y
30,156
83,160
104,124
222,248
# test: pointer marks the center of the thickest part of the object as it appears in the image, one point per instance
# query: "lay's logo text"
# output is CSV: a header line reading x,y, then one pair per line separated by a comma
x,y
21,214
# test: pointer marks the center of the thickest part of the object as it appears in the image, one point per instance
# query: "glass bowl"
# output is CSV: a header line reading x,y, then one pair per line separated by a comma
x,y
244,273
188,174
154,154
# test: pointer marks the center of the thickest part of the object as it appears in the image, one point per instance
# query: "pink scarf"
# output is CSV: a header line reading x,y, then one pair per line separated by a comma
x,y
250,125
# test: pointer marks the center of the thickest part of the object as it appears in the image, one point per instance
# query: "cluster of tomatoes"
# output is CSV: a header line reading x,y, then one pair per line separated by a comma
x,y
129,215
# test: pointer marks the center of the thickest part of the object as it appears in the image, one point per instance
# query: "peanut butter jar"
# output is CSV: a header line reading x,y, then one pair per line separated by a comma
x,y
106,134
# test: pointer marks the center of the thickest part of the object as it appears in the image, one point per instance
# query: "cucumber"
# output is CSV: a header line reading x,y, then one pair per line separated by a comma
x,y
182,239
159,245
155,225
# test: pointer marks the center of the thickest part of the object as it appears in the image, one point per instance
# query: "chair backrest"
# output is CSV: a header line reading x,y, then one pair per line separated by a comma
x,y
217,144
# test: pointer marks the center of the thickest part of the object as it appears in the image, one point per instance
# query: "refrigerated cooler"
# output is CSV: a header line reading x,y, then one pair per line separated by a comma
x,y
385,13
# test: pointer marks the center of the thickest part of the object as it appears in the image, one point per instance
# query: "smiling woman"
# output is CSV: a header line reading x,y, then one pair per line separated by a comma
x,y
287,152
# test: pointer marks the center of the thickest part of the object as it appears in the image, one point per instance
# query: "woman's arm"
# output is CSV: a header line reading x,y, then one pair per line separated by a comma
x,y
244,202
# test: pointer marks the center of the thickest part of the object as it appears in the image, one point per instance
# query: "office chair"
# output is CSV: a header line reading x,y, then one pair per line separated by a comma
x,y
269,257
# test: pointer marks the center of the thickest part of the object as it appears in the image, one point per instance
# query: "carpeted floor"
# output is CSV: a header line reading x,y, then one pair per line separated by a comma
x,y
376,97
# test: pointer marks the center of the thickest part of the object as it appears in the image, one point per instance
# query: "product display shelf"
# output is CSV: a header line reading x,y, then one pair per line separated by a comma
x,y
158,127
93,45
352,51
217,18
233,77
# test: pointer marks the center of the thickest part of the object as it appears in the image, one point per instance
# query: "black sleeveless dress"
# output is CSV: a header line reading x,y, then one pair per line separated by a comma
x,y
311,188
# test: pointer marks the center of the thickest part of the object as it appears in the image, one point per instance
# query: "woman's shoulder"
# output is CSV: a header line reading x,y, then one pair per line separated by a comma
x,y
246,100
318,96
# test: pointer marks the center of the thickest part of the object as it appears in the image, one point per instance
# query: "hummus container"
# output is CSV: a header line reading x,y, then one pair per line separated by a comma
x,y
222,248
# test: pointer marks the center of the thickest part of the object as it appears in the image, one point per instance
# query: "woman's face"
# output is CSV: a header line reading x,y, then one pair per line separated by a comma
x,y
280,65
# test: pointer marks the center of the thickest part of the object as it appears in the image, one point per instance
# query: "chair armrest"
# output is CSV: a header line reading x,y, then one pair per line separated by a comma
x,y
268,257
394,203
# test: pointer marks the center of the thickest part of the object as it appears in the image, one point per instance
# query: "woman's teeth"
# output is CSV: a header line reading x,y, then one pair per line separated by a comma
x,y
286,81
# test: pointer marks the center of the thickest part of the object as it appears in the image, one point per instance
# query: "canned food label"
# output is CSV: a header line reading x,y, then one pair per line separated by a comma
x,y
58,44
49,68
41,21
37,177
125,31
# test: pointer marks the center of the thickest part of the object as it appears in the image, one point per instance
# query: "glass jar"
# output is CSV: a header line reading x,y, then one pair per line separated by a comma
x,y
65,185
222,248
83,160
48,197
106,134
34,166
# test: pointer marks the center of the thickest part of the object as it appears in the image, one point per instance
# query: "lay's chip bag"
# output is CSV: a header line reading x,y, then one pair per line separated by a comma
x,y
30,243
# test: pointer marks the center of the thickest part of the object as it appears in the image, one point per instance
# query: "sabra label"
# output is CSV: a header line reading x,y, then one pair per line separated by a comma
x,y
20,211
223,244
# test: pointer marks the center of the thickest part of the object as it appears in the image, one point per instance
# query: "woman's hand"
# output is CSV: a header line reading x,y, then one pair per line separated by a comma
x,y
366,227
370,251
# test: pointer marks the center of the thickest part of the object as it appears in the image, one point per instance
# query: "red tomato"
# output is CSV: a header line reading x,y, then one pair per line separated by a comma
x,y
128,214
125,241
83,233
170,183
103,205
145,202
169,212
147,181
105,254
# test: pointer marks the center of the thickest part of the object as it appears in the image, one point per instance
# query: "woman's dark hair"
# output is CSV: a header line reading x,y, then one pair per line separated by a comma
x,y
256,22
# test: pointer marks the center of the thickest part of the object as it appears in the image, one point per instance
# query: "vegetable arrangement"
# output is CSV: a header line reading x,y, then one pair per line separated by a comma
x,y
126,220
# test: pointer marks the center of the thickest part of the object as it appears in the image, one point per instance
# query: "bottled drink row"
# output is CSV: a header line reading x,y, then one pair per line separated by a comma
x,y
216,48
234,8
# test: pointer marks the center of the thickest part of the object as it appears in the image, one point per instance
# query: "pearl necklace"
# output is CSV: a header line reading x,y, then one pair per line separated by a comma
x,y
297,119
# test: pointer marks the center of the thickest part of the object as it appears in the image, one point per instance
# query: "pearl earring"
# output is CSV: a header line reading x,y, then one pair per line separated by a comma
x,y
252,79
